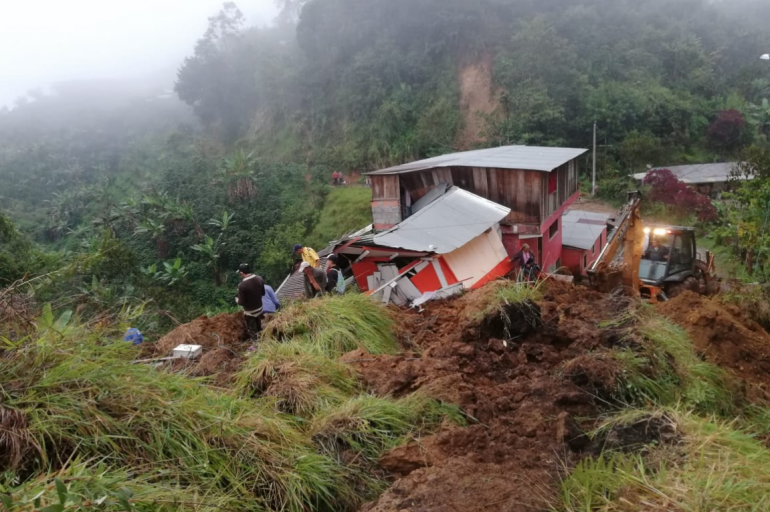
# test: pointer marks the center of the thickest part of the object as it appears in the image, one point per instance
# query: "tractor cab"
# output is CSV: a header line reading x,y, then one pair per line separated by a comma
x,y
669,256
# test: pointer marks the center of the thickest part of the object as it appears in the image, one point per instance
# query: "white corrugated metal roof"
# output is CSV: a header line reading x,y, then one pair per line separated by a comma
x,y
581,229
446,224
528,158
698,173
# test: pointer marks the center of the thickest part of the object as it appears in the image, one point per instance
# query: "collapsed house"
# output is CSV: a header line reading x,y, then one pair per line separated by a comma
x,y
452,241
537,184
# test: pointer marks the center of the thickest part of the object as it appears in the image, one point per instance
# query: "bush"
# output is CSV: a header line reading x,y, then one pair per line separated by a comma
x,y
667,189
727,132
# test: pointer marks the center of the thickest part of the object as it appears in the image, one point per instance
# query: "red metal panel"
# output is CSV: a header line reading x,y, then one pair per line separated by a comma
x,y
361,271
502,269
426,280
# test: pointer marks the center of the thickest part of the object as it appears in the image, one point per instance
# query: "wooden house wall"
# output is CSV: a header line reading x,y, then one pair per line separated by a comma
x,y
566,186
524,192
385,188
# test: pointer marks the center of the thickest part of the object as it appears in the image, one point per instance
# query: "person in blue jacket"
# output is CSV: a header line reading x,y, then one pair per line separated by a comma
x,y
270,303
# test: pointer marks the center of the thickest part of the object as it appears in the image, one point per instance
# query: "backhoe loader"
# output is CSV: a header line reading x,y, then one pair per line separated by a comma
x,y
628,261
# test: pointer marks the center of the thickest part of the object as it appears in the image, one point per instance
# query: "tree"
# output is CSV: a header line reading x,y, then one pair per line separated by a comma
x,y
728,130
667,189
218,80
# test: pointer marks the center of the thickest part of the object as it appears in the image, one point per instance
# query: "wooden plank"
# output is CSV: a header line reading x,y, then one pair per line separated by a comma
x,y
480,182
494,185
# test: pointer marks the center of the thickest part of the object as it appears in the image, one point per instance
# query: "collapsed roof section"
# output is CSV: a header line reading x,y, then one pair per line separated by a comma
x,y
444,225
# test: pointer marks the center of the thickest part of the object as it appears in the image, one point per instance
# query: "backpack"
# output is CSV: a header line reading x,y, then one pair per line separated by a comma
x,y
340,282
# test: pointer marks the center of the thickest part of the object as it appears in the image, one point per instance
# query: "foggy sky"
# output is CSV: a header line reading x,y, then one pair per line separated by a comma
x,y
44,41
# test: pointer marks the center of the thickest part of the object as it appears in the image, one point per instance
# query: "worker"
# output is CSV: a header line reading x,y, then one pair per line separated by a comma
x,y
526,260
315,280
336,178
250,293
656,252
308,255
335,282
270,303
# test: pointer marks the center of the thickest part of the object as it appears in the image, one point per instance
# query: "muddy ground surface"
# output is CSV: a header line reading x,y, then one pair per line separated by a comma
x,y
724,335
530,381
513,380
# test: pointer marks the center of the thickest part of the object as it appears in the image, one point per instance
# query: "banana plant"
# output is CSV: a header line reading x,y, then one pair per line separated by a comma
x,y
211,249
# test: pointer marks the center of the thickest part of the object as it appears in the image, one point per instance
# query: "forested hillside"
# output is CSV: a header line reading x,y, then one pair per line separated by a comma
x,y
175,198
362,84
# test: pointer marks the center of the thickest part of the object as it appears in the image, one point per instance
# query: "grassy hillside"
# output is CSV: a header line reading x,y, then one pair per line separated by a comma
x,y
346,209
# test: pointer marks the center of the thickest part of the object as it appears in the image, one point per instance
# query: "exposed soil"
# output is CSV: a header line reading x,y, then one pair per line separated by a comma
x,y
210,333
510,379
478,98
724,334
224,340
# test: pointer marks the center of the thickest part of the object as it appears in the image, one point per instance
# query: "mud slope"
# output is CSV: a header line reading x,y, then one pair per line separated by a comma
x,y
725,335
525,403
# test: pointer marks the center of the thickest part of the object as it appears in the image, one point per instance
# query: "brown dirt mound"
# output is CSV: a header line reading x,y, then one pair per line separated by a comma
x,y
725,335
225,329
523,403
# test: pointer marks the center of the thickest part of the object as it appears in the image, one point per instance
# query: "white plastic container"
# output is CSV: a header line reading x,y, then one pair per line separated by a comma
x,y
187,351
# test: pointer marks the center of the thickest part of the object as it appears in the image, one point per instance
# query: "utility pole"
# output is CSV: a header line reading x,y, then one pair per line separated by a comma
x,y
593,184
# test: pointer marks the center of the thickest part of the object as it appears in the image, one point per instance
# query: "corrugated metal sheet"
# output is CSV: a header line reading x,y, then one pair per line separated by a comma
x,y
698,173
581,229
294,285
446,224
431,196
528,158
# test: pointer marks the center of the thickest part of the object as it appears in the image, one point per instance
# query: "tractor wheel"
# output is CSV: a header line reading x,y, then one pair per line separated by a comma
x,y
690,284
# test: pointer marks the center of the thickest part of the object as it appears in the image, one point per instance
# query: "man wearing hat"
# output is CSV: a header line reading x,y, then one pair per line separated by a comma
x,y
308,255
250,293
315,280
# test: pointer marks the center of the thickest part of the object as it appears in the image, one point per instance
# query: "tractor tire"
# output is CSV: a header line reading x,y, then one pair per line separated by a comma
x,y
690,284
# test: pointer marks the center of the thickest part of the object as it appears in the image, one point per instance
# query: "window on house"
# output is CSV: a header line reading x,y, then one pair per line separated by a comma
x,y
593,250
554,229
585,260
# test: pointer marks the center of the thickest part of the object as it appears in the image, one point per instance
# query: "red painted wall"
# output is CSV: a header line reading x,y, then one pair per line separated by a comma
x,y
427,280
552,248
573,258
362,270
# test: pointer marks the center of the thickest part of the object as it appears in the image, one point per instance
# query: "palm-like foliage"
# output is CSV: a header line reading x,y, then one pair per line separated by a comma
x,y
237,173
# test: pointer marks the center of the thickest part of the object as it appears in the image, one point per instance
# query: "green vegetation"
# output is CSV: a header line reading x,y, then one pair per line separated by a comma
x,y
336,325
697,445
666,370
346,209
715,467
77,411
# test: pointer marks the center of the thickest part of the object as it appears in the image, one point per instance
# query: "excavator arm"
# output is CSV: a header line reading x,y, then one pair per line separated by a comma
x,y
608,271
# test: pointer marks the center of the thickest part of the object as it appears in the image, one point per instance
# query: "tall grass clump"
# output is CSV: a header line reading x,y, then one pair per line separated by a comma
x,y
77,396
337,325
500,293
714,467
370,425
89,487
666,369
300,376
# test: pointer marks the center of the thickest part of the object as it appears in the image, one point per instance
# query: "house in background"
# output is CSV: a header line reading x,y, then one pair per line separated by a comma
x,y
453,242
536,184
708,179
584,237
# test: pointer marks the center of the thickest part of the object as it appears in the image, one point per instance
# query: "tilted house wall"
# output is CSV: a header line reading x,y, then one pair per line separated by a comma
x,y
537,184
